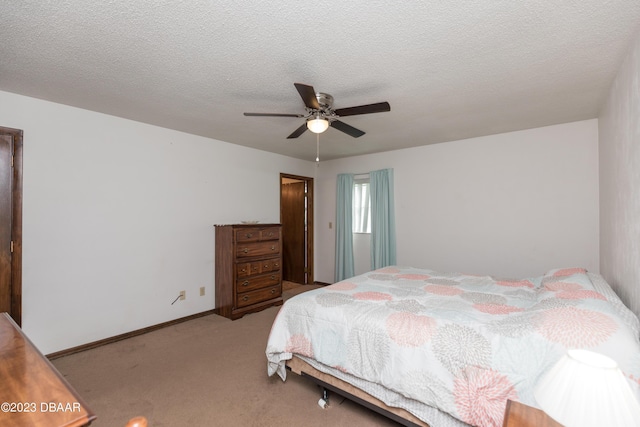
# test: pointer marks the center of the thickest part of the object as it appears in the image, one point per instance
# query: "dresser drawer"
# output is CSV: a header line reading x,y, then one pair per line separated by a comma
x,y
270,265
254,297
251,283
257,234
247,235
252,249
247,269
244,269
270,233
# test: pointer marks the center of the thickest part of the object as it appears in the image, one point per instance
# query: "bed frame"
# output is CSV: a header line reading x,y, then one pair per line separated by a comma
x,y
343,388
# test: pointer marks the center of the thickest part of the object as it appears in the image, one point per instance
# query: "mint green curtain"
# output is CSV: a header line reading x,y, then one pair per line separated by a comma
x,y
383,223
344,228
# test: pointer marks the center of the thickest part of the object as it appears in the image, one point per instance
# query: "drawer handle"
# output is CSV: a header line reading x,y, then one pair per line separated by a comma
x,y
273,277
245,298
245,250
270,233
249,235
244,270
266,266
245,283
273,247
273,291
276,264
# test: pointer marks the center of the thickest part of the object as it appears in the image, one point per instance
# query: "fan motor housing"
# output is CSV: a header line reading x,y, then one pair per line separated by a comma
x,y
324,99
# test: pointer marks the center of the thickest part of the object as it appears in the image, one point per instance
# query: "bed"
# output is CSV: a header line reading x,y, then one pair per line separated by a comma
x,y
448,349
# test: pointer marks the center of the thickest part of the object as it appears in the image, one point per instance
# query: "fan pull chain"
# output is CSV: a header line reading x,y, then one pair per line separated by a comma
x,y
317,149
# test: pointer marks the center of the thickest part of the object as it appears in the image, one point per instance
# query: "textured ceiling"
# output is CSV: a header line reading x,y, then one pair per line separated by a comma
x,y
450,70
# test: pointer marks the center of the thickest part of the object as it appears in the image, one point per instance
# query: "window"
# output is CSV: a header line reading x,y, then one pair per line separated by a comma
x,y
361,206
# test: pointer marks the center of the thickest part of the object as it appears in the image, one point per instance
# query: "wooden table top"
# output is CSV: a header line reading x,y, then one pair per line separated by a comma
x,y
32,391
520,415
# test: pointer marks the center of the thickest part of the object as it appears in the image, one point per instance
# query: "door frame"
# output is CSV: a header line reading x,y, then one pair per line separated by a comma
x,y
16,224
310,230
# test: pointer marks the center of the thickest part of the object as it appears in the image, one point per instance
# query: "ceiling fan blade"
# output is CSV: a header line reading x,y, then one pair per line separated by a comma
x,y
273,115
308,95
296,133
348,129
379,107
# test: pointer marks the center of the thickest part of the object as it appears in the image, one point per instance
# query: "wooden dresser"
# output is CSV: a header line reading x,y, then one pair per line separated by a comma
x,y
248,268
32,391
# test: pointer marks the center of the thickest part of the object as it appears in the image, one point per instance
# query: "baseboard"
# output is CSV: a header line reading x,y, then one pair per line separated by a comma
x,y
124,336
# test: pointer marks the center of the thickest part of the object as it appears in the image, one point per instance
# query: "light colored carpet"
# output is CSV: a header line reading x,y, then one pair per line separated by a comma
x,y
287,286
210,371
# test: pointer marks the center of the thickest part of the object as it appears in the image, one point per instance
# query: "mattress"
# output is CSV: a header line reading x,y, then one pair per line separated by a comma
x,y
452,348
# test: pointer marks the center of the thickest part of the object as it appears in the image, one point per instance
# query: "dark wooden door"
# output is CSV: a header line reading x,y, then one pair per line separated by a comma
x,y
11,222
293,202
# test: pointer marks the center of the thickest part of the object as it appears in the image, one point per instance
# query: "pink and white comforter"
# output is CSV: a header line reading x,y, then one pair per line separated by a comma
x,y
462,344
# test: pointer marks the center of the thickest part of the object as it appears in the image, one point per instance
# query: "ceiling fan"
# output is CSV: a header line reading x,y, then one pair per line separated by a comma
x,y
321,114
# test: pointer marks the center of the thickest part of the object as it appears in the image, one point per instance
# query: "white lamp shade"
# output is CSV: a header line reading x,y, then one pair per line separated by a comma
x,y
317,125
587,389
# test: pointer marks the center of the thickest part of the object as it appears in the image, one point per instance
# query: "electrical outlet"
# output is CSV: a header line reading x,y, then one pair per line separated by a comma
x,y
202,291
183,295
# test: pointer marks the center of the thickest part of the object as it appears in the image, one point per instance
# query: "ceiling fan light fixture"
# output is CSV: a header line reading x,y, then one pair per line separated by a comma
x,y
320,113
317,124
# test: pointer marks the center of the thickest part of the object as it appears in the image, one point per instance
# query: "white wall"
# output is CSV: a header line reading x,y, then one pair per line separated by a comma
x,y
118,218
619,126
511,205
118,215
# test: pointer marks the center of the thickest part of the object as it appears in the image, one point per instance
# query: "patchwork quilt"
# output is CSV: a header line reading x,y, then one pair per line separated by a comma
x,y
463,344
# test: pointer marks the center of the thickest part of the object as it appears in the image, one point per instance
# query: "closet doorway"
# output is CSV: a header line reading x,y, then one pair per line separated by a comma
x,y
11,223
296,217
